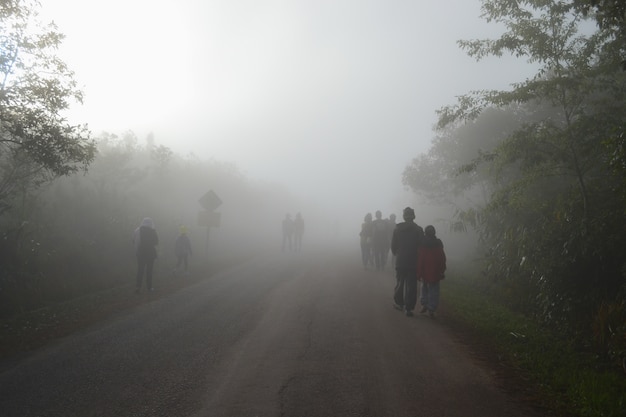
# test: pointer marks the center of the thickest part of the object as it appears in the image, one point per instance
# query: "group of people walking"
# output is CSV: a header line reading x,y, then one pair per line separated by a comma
x,y
375,239
146,240
419,257
417,254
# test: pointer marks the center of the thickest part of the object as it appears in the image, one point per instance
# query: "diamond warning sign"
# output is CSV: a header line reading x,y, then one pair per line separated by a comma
x,y
210,201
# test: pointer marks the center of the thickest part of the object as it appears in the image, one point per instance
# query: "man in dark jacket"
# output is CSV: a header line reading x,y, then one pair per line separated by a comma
x,y
146,240
405,241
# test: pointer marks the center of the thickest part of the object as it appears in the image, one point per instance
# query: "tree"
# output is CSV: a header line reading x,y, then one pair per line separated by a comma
x,y
454,172
36,87
608,13
553,220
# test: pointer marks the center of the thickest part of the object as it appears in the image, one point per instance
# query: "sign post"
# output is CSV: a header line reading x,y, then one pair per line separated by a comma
x,y
209,218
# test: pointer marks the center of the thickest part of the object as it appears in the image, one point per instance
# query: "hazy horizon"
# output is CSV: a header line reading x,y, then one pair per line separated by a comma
x,y
331,99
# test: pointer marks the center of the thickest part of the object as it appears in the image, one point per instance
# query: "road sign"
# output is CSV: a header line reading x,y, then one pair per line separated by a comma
x,y
209,218
210,201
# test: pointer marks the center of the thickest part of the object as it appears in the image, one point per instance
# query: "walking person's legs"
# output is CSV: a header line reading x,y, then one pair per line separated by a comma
x,y
370,255
410,296
364,257
398,292
149,269
424,297
141,266
433,297
378,260
179,261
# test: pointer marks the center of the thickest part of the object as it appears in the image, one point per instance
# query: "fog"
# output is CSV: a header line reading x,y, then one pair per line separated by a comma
x,y
328,99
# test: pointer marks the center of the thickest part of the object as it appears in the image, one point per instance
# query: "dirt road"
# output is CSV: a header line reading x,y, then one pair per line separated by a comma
x,y
292,335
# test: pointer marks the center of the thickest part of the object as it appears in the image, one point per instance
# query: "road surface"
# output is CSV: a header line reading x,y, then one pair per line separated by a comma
x,y
293,335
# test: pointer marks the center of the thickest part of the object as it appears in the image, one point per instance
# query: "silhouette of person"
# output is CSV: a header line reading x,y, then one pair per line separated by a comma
x,y
182,250
380,236
287,232
298,231
391,224
405,241
145,239
366,236
431,266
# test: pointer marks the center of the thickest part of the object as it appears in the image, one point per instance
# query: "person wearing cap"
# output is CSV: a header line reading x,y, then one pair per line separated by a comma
x,y
145,239
405,241
182,250
431,265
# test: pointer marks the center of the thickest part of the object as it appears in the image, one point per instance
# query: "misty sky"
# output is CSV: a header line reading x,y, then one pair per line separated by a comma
x,y
333,96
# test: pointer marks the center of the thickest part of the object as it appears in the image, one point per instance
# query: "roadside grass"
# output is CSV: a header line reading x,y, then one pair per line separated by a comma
x,y
30,330
568,382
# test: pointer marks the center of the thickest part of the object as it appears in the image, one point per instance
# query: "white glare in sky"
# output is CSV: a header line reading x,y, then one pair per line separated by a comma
x,y
325,96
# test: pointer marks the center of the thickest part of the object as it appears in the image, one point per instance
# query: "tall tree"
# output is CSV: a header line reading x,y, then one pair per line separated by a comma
x,y
36,87
552,218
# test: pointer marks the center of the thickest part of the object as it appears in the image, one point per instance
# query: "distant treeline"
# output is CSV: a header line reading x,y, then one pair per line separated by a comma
x,y
73,235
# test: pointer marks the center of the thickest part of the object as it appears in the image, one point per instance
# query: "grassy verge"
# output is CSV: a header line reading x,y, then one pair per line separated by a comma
x,y
30,330
563,380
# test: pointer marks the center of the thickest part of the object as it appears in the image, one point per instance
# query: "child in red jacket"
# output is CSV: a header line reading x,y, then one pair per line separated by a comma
x,y
431,265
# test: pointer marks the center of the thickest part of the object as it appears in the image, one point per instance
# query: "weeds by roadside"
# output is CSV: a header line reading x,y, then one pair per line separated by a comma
x,y
569,382
34,329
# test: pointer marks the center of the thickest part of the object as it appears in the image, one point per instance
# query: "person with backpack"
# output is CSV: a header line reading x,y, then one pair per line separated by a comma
x,y
182,250
405,241
431,266
145,239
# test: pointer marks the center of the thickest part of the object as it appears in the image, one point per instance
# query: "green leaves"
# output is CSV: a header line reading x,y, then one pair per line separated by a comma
x,y
35,88
551,172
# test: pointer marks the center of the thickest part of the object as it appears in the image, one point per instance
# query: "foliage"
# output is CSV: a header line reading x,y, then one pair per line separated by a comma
x,y
608,13
552,178
36,87
562,379
76,233
452,169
